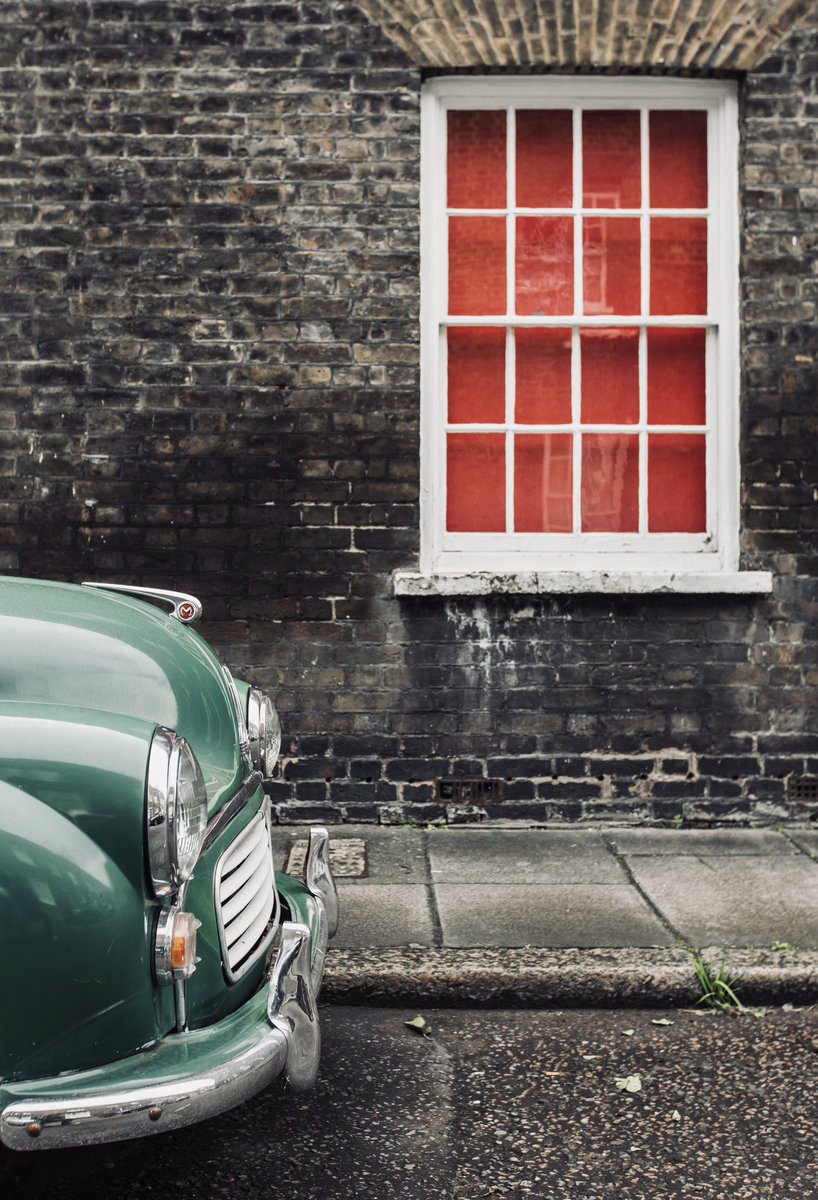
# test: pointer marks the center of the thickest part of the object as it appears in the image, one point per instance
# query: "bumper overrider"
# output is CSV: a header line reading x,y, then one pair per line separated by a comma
x,y
191,1076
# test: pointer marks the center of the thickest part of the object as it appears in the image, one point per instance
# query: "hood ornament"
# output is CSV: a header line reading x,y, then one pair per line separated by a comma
x,y
186,608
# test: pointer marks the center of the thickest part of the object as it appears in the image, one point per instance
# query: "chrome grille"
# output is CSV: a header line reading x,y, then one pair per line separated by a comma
x,y
246,897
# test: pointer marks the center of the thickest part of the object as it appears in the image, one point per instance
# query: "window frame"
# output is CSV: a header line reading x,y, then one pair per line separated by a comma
x,y
591,555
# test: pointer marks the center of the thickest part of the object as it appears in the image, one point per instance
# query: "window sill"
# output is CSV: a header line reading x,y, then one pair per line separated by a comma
x,y
486,583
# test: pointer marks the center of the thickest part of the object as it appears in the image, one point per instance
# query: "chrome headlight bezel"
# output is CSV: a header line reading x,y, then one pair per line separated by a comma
x,y
264,729
174,841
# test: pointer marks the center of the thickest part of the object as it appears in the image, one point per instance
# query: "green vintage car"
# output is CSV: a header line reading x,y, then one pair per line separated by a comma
x,y
156,969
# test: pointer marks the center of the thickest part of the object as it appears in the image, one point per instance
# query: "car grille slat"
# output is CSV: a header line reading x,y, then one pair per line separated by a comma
x,y
240,910
242,873
246,897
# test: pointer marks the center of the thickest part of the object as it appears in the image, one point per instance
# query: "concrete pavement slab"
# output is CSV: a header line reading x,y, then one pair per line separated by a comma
x,y
806,839
734,901
704,843
520,856
547,915
384,914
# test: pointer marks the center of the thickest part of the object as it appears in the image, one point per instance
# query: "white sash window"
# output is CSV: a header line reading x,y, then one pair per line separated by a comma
x,y
579,331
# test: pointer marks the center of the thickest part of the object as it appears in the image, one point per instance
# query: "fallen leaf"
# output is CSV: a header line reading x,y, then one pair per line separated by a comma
x,y
629,1083
629,1032
662,1021
421,1025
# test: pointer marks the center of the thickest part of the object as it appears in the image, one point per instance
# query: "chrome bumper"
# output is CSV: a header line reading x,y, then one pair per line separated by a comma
x,y
275,1033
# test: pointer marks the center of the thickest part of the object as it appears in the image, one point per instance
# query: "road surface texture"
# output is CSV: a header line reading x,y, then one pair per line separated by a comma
x,y
495,1104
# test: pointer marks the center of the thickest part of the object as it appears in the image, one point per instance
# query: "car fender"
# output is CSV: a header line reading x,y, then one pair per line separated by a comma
x,y
77,986
89,766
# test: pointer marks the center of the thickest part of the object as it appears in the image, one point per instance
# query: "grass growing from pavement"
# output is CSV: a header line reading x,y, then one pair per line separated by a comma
x,y
718,987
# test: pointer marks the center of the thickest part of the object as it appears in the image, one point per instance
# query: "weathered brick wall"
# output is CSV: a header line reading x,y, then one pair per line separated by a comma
x,y
210,380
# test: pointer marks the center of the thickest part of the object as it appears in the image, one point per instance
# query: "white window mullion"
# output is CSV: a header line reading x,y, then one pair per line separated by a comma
x,y
643,430
511,291
644,262
576,365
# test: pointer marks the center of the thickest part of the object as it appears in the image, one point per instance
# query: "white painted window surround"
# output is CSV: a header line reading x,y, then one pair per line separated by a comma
x,y
481,563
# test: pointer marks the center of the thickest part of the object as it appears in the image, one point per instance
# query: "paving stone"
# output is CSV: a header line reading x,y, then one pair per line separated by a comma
x,y
581,915
384,915
806,839
393,855
734,901
703,843
520,856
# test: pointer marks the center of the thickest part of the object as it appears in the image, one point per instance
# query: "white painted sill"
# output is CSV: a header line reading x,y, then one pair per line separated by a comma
x,y
486,583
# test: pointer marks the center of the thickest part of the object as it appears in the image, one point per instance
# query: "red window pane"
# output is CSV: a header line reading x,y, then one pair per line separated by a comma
x,y
611,266
676,377
677,493
611,162
545,266
543,473
678,265
610,376
610,483
477,375
543,376
476,483
477,265
476,156
678,159
544,159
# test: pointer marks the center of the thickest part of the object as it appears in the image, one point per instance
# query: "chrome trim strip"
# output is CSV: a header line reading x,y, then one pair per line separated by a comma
x,y
244,736
318,878
186,608
231,809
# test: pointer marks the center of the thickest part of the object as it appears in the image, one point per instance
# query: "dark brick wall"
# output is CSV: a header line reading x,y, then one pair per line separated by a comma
x,y
209,379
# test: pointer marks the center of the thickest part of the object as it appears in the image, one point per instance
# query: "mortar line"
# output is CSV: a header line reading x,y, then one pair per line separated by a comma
x,y
632,880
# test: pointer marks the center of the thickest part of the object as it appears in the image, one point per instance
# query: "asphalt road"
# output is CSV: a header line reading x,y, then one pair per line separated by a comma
x,y
495,1104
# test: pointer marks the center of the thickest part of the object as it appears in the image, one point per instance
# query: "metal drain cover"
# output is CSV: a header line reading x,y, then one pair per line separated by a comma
x,y
347,857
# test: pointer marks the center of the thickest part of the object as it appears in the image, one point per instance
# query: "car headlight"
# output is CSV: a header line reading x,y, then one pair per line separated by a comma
x,y
175,811
264,729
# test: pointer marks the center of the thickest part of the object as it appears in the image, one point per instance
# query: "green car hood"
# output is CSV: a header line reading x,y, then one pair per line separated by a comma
x,y
75,647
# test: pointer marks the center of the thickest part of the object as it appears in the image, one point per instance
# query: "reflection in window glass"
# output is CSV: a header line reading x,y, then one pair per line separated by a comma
x,y
477,375
544,158
476,152
543,381
611,160
678,159
677,491
611,267
477,265
545,266
543,490
610,483
610,376
676,377
475,482
678,265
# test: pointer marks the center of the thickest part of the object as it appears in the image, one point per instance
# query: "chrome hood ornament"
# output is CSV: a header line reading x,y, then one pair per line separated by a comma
x,y
185,608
